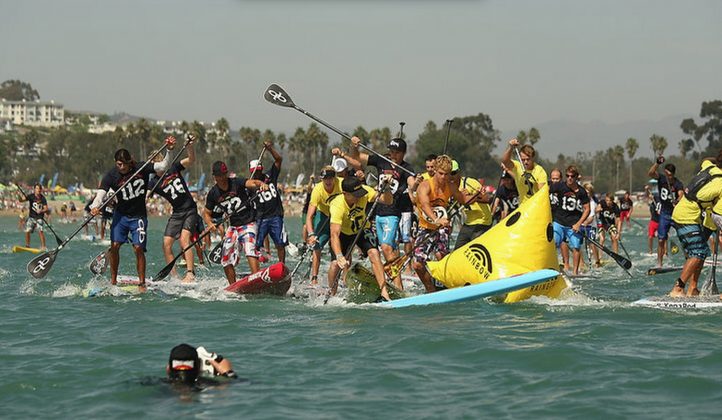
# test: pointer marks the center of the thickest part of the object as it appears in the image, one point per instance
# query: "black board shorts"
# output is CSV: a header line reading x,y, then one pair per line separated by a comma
x,y
187,220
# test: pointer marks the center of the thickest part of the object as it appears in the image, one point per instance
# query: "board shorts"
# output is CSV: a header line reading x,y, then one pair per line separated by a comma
x,y
322,229
187,220
652,229
200,227
274,227
589,231
468,233
31,224
624,215
387,228
565,233
123,225
429,242
405,224
366,242
237,238
694,240
665,223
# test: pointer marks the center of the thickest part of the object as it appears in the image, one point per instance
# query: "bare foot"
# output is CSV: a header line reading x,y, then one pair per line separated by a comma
x,y
189,277
676,292
693,292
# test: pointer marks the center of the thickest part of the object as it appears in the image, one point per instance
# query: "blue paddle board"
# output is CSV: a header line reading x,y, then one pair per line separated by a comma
x,y
475,291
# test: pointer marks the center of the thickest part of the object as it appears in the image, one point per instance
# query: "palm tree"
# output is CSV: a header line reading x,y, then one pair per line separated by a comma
x,y
618,154
659,144
534,136
631,146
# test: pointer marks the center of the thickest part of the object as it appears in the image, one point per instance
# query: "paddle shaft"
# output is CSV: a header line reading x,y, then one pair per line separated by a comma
x,y
620,260
308,249
448,131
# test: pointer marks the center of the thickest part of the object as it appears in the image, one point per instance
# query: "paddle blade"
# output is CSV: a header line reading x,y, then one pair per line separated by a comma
x,y
277,96
393,267
216,254
163,273
39,266
99,263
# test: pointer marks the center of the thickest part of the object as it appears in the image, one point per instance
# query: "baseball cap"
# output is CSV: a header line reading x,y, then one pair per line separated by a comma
x,y
354,186
339,164
219,168
255,165
397,144
328,172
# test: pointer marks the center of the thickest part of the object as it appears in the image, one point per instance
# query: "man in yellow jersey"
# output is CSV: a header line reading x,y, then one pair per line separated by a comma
x,y
528,178
476,207
348,214
434,226
317,217
692,231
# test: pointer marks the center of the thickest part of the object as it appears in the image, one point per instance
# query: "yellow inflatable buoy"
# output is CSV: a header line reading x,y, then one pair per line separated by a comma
x,y
520,243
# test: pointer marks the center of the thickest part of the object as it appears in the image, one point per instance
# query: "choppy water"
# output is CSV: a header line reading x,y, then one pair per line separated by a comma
x,y
589,354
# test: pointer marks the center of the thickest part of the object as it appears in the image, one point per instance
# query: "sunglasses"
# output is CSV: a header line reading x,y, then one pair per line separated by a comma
x,y
571,175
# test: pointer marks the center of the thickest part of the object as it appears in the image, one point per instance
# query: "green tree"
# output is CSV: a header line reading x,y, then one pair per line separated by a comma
x,y
631,146
17,90
618,156
685,146
534,136
710,128
659,144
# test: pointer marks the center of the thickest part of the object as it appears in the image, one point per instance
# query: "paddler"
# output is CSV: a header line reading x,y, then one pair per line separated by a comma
x,y
569,215
130,216
671,191
432,202
270,206
187,365
233,196
475,206
38,207
528,175
317,217
347,216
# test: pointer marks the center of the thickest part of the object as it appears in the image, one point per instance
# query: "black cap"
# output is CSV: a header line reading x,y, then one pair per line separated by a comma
x,y
184,363
328,173
507,175
354,186
397,144
219,168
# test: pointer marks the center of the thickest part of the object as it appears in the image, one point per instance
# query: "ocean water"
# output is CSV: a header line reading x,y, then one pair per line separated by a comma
x,y
589,354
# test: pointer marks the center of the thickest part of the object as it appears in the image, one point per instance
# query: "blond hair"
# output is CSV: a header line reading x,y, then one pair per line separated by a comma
x,y
443,163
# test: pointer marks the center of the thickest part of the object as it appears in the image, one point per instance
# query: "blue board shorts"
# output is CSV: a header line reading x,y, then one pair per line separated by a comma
x,y
694,240
562,233
407,220
589,231
387,228
322,229
272,226
665,223
135,226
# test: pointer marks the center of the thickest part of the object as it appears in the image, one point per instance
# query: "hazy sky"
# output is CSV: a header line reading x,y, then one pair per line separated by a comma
x,y
371,63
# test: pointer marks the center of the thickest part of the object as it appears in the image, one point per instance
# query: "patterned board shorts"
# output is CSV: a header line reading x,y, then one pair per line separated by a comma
x,y
237,237
31,225
429,242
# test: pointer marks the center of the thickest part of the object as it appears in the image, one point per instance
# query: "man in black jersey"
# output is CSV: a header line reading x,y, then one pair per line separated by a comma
x,y
387,217
609,220
569,214
38,209
183,221
269,209
130,216
671,191
507,197
231,196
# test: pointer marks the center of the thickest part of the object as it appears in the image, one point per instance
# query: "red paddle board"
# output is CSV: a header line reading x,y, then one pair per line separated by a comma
x,y
272,280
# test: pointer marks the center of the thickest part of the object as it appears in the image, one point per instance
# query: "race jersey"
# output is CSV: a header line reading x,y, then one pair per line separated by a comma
x,y
609,213
231,201
476,213
322,198
399,185
690,212
37,203
351,218
269,202
439,202
509,196
131,199
654,207
553,198
527,182
625,204
174,189
571,203
668,193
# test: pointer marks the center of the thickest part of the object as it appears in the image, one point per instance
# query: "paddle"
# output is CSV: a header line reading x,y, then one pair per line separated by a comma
x,y
613,231
382,187
27,197
163,273
217,251
306,251
620,260
277,96
39,266
100,263
710,285
448,131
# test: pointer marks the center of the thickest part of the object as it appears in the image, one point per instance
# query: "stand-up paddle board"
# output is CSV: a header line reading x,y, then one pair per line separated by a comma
x,y
685,303
363,287
475,291
661,270
18,248
273,279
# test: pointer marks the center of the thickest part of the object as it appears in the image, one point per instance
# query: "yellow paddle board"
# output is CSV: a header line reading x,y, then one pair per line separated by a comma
x,y
17,248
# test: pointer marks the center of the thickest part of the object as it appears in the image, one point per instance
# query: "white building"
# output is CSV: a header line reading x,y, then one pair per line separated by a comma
x,y
32,113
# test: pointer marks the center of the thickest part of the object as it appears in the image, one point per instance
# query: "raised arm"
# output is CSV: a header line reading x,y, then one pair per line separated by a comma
x,y
506,157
